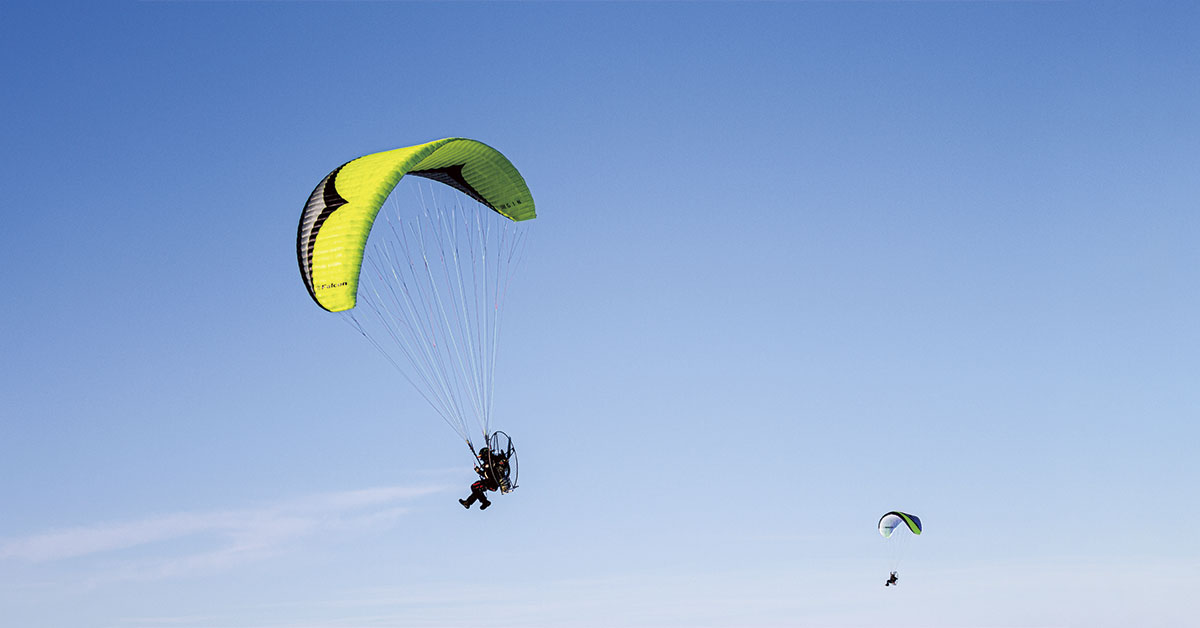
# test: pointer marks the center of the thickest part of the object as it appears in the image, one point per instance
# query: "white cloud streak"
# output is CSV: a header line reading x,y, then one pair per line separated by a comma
x,y
240,534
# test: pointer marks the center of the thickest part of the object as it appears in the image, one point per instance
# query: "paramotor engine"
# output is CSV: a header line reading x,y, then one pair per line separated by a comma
x,y
501,458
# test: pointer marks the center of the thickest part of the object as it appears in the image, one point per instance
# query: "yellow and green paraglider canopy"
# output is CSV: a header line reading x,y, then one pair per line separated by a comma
x,y
341,210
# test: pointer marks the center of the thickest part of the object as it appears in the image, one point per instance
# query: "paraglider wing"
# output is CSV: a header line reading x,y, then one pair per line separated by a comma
x,y
340,212
895,519
891,528
424,281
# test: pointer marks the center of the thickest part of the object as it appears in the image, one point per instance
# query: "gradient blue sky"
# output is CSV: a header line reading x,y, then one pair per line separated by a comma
x,y
797,264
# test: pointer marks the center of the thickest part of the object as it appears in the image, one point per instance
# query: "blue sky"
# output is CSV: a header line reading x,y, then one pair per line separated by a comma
x,y
796,265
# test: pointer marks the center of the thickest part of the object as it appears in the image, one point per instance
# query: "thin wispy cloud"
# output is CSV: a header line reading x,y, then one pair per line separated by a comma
x,y
228,536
